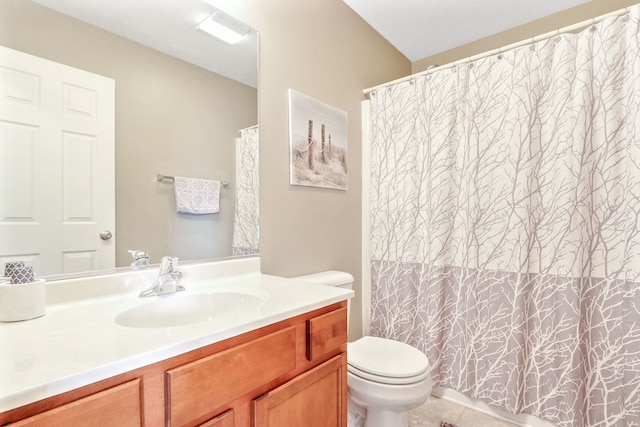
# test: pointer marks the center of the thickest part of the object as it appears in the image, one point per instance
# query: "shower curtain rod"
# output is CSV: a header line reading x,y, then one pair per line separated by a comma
x,y
550,34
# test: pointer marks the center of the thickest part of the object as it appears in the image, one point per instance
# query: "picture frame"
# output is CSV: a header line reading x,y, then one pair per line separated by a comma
x,y
317,143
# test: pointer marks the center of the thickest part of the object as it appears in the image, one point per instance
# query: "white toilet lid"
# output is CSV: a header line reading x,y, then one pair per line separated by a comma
x,y
386,361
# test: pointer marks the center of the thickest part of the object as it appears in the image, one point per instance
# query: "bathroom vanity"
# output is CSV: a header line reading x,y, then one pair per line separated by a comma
x,y
281,362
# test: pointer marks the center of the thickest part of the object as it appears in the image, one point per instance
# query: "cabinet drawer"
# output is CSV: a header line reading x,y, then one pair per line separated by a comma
x,y
326,332
117,406
198,388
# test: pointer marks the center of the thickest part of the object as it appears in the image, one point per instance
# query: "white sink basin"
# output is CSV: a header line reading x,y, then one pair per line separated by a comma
x,y
180,309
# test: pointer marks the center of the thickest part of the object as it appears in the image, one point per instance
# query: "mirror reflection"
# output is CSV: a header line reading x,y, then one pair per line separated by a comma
x,y
183,104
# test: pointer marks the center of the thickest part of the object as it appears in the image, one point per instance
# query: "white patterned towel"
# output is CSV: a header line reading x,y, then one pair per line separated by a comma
x,y
197,196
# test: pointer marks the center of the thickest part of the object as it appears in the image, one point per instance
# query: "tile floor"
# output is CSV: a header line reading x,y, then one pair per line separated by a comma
x,y
435,410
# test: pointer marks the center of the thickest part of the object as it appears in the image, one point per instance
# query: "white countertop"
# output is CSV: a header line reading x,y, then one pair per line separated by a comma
x,y
78,342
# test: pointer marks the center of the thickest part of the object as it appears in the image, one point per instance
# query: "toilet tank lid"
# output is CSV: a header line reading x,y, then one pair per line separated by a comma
x,y
328,278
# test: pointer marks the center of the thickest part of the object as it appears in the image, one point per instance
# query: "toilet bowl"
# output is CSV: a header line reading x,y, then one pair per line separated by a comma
x,y
385,378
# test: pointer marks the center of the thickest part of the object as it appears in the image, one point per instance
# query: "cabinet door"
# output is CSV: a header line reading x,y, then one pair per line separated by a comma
x,y
224,420
317,398
117,406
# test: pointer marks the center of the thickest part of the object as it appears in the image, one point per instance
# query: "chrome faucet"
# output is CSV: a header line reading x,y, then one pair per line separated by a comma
x,y
140,258
168,280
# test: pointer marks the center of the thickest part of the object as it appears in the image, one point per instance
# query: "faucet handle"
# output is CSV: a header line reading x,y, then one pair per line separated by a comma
x,y
140,258
135,253
168,264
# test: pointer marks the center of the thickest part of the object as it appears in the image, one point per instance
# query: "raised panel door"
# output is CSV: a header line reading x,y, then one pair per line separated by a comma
x,y
317,398
225,420
57,165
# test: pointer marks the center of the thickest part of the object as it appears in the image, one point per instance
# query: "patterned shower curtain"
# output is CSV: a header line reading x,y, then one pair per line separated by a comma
x,y
505,225
246,227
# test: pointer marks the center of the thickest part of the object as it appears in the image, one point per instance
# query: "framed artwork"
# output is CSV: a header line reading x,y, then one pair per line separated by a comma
x,y
317,143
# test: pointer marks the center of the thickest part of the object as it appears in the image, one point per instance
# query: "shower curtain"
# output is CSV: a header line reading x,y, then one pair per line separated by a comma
x,y
505,225
246,224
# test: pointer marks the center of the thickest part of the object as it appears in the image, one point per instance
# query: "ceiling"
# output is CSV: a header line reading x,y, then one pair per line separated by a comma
x,y
169,26
422,28
417,28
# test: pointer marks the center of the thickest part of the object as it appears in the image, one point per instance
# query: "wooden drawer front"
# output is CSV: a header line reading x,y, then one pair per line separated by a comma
x,y
326,332
197,388
117,406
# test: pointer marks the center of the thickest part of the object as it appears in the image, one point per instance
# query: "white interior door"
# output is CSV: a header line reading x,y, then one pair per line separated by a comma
x,y
57,189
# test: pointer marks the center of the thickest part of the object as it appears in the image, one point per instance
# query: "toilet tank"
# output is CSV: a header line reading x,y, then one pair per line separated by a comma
x,y
329,278
340,279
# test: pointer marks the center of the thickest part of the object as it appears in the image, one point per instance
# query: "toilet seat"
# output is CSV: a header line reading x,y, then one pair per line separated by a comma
x,y
386,361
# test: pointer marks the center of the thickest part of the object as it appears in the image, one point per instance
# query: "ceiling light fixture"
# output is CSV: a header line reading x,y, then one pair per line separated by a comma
x,y
224,27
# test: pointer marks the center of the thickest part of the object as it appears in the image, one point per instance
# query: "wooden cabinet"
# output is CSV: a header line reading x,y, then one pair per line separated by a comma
x,y
286,374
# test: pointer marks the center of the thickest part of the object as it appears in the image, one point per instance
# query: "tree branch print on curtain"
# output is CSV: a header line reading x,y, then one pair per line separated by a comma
x,y
246,224
505,225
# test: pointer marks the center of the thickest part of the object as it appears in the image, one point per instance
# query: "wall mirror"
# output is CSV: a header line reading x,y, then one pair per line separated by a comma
x,y
185,104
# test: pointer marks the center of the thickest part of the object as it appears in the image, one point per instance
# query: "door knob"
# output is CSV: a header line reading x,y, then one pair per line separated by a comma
x,y
106,235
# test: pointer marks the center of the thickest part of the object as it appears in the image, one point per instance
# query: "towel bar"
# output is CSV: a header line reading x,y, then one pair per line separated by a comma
x,y
161,177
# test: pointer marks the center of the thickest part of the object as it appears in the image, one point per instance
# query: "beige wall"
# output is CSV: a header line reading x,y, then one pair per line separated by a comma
x,y
171,118
565,18
322,49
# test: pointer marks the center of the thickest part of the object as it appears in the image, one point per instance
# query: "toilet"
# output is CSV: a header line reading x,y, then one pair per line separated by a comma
x,y
385,378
